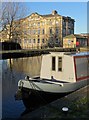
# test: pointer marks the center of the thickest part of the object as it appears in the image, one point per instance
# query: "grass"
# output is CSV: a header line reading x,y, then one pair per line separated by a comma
x,y
78,110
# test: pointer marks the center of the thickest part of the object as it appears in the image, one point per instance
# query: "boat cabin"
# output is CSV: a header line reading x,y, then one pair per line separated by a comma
x,y
64,66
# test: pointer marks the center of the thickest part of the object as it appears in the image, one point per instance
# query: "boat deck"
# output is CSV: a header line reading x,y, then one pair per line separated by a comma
x,y
42,80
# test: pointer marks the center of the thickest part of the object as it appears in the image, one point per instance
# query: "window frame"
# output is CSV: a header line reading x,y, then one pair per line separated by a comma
x,y
59,66
38,40
53,63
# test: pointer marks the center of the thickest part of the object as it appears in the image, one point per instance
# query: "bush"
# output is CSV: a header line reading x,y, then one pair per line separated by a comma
x,y
10,46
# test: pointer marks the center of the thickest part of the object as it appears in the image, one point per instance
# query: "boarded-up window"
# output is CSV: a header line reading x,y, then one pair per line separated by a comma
x,y
59,63
53,63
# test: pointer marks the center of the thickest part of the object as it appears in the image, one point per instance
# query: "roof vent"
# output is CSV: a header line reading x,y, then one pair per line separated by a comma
x,y
54,12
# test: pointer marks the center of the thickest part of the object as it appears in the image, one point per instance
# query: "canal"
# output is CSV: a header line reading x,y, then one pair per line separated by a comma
x,y
12,71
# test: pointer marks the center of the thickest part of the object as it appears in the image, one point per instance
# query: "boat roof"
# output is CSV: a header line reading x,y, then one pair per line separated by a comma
x,y
72,53
78,54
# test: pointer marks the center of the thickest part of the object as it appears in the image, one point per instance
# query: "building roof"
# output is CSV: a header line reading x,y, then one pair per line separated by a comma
x,y
53,14
50,15
79,36
74,36
85,34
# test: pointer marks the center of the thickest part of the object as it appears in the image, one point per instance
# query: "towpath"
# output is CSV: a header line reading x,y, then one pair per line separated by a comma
x,y
76,102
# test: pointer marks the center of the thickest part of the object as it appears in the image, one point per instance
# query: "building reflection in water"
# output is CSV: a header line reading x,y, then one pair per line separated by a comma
x,y
0,89
12,71
30,65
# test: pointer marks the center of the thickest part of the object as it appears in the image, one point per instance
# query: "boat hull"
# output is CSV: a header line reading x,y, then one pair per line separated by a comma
x,y
33,97
36,98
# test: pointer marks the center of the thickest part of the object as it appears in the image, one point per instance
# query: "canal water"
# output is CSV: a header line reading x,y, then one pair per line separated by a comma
x,y
13,70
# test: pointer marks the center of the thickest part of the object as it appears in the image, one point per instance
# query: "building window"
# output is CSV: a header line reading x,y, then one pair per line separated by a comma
x,y
34,40
50,22
64,23
42,40
39,31
29,31
38,23
59,63
68,24
53,63
38,40
57,40
30,41
68,31
25,32
43,32
25,41
43,23
64,31
34,31
72,31
57,30
50,31
69,41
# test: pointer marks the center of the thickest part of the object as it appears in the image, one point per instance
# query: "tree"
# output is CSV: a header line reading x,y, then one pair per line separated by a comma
x,y
53,41
11,20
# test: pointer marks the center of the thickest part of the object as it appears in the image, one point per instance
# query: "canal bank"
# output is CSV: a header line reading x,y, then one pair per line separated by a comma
x,y
5,54
77,104
31,52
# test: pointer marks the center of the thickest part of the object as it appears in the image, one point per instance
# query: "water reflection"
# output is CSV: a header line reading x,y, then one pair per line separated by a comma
x,y
0,90
30,66
12,71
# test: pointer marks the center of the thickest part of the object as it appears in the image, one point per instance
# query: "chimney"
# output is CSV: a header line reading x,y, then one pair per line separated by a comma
x,y
54,12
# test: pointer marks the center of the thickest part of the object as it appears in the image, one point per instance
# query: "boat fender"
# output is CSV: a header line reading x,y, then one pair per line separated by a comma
x,y
21,83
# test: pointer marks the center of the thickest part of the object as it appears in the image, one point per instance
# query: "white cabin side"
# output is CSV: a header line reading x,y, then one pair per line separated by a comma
x,y
46,67
62,70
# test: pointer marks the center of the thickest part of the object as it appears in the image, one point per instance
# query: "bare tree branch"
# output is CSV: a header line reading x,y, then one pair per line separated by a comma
x,y
12,13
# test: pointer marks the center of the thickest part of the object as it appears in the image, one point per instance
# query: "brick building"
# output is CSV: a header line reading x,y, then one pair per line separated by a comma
x,y
75,40
39,30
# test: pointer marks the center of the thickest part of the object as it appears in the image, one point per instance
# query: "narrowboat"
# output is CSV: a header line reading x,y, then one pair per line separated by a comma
x,y
61,73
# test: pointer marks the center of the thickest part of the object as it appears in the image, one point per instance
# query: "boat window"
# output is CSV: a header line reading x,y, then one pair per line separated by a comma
x,y
53,63
59,63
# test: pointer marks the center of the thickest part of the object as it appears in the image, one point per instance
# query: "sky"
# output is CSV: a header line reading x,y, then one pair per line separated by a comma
x,y
75,10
